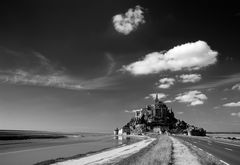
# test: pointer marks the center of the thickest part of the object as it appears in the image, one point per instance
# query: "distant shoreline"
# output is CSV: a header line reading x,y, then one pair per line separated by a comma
x,y
10,135
223,133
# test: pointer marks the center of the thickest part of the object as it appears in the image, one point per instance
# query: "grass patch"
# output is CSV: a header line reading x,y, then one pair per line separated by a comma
x,y
158,152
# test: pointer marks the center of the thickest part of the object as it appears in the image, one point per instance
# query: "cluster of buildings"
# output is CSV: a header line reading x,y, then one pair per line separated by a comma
x,y
153,118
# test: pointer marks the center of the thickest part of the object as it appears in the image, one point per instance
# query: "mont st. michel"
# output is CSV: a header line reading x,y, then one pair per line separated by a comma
x,y
158,118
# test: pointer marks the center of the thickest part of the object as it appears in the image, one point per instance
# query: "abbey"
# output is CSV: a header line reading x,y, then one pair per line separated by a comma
x,y
158,118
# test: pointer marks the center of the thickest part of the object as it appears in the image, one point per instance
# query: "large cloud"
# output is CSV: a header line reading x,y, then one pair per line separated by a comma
x,y
165,83
232,104
190,56
185,78
128,22
192,97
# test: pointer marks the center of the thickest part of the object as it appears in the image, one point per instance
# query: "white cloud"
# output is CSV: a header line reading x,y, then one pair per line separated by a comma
x,y
153,96
165,83
128,22
236,87
232,104
185,78
192,97
216,107
235,114
132,111
190,56
168,101
180,113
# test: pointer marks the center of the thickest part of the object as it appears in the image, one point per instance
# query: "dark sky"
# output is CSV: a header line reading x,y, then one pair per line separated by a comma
x,y
64,65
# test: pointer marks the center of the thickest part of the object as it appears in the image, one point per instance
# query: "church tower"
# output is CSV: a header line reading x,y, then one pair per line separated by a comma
x,y
156,105
157,102
157,108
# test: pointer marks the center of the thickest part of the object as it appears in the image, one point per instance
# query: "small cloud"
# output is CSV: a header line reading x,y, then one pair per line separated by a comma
x,y
189,56
236,87
210,89
229,58
185,78
216,107
237,14
179,113
153,96
165,83
224,98
232,104
168,101
192,97
235,114
128,22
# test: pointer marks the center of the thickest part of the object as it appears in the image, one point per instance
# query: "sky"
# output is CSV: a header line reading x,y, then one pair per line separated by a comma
x,y
85,66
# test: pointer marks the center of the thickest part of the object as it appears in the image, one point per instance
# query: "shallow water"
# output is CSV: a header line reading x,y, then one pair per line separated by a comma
x,y
29,156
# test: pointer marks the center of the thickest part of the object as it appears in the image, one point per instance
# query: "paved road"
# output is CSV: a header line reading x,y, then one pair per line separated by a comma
x,y
228,153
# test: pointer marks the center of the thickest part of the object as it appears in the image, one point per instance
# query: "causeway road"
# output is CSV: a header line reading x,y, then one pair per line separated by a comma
x,y
226,152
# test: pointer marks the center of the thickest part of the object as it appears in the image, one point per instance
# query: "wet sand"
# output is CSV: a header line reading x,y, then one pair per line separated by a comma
x,y
28,152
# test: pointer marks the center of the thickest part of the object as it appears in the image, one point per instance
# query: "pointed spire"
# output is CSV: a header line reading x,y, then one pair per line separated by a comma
x,y
156,99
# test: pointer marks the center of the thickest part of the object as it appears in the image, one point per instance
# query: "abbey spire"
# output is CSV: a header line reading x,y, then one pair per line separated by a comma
x,y
156,98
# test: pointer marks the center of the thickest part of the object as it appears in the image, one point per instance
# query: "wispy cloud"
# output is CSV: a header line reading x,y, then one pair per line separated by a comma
x,y
189,56
165,83
111,62
232,104
128,22
192,78
236,87
22,77
37,70
224,80
235,114
193,98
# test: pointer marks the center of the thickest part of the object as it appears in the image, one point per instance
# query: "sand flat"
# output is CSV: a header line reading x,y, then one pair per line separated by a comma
x,y
110,155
